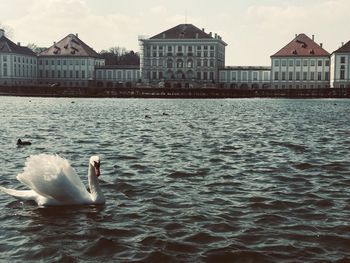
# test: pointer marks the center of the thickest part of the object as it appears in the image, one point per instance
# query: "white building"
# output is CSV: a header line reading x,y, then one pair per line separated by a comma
x,y
182,54
18,65
300,64
340,67
69,62
117,75
245,77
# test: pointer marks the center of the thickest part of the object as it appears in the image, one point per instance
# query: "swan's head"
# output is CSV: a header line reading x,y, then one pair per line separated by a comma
x,y
95,162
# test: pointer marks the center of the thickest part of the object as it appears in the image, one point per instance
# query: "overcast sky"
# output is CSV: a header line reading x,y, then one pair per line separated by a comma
x,y
253,29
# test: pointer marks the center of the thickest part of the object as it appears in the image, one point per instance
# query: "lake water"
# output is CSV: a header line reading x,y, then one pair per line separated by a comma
x,y
245,180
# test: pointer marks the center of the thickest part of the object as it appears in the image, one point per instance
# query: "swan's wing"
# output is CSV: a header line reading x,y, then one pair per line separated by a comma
x,y
53,177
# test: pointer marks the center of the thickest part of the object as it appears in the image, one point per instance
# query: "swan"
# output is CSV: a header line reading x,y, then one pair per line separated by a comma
x,y
53,182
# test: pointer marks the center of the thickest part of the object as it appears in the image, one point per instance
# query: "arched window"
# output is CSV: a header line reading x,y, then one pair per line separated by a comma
x,y
169,63
179,63
190,63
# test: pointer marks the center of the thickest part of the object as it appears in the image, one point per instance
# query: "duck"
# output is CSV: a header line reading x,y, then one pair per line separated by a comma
x,y
23,143
52,181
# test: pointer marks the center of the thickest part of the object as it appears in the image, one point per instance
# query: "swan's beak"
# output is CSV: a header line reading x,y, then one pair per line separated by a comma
x,y
97,168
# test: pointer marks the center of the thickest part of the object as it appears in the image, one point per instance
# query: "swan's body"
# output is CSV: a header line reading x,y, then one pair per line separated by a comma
x,y
53,181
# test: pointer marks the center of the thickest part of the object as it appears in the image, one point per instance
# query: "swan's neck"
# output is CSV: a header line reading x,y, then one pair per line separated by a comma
x,y
95,190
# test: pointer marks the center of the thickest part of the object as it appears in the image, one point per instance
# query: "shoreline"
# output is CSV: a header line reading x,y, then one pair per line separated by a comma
x,y
192,93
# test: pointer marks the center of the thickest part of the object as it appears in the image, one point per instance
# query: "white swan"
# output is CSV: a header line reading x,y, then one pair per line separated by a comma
x,y
53,181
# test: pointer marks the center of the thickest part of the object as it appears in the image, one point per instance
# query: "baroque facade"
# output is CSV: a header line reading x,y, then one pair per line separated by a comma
x,y
183,53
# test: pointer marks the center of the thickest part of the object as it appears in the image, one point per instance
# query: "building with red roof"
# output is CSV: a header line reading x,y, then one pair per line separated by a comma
x,y
69,62
302,63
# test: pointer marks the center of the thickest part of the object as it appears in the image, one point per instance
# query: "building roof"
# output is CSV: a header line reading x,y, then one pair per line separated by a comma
x,y
183,31
118,67
7,46
301,46
246,68
344,48
70,46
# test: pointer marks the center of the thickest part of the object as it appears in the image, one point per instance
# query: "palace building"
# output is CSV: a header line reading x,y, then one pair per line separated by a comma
x,y
300,64
69,62
245,77
183,54
18,65
340,73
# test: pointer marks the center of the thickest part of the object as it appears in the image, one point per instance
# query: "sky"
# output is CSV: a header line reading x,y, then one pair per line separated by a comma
x,y
253,29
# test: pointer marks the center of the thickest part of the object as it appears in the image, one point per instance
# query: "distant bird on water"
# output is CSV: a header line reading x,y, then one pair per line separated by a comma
x,y
23,143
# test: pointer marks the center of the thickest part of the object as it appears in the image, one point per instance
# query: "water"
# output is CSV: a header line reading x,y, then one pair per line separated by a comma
x,y
255,180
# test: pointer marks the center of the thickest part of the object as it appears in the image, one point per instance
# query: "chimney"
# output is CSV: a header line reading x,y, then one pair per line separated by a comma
x,y
163,35
76,34
18,43
216,36
203,29
2,32
296,35
210,34
342,43
321,44
313,37
196,35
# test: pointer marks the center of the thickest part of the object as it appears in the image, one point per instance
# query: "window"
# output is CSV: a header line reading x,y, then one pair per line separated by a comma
x,y
52,73
327,63
319,75
290,75
305,63
312,63
198,63
277,63
83,62
77,62
312,75
71,73
190,63
205,75
304,75
58,74
179,63
64,62
342,60
211,54
255,75
276,75
234,75
211,63
64,74
319,63
198,75
284,63
52,62
283,75
211,75
199,54
291,63
58,62
77,74
205,63
179,48
169,63
297,76
244,76
190,49
342,72
46,62
326,76
160,75
297,63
